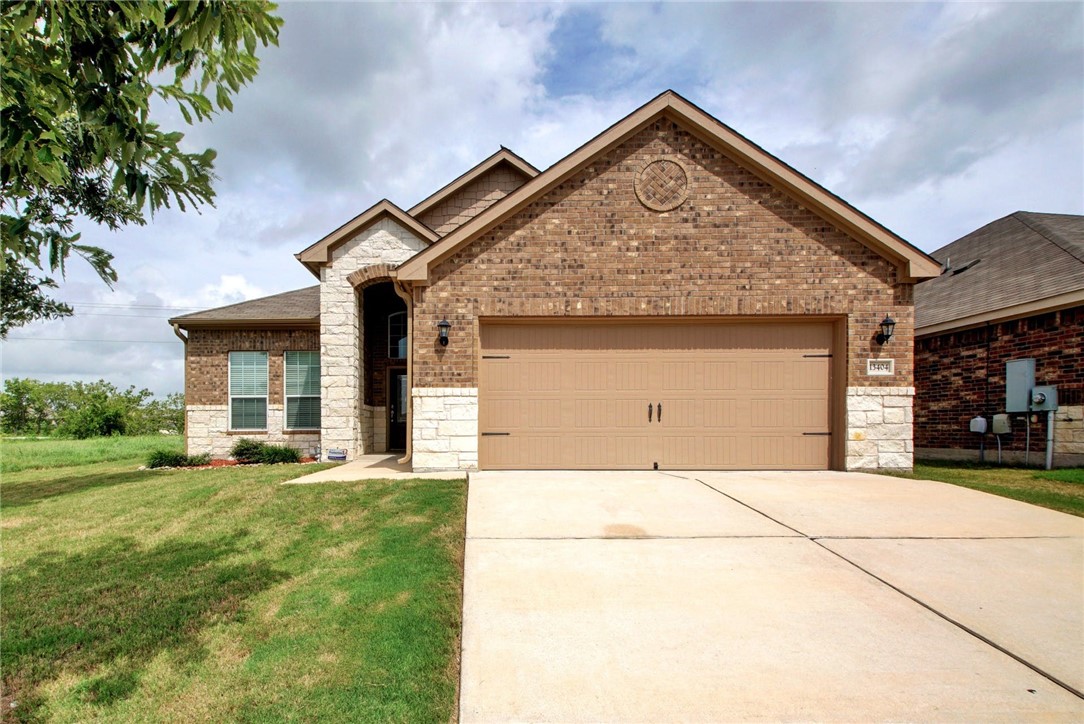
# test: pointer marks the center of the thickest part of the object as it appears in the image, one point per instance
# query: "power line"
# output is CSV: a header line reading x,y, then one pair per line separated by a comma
x,y
108,341
126,316
129,306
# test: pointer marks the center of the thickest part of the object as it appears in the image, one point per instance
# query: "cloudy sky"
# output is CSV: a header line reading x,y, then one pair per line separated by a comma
x,y
932,118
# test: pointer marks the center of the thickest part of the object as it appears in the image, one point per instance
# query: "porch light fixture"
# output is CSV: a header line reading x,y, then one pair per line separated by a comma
x,y
442,331
888,326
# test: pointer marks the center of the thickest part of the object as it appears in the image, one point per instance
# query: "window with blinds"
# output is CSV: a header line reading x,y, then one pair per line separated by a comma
x,y
248,390
301,375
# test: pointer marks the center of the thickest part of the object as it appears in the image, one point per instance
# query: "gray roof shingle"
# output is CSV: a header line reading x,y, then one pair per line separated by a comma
x,y
1021,258
301,306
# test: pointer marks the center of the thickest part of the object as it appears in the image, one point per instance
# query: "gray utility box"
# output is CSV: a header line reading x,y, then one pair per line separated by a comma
x,y
1001,425
1019,380
1044,398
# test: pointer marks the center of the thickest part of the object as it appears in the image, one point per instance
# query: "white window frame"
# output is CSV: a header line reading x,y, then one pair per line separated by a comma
x,y
230,396
286,397
395,354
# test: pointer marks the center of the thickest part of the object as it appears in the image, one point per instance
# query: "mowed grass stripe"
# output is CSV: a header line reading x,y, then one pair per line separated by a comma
x,y
1061,489
221,594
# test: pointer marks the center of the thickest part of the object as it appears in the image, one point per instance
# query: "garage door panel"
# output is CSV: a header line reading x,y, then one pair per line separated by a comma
x,y
542,414
502,413
809,452
679,413
736,396
810,374
723,375
771,414
631,413
631,376
810,415
593,414
542,376
680,376
506,378
724,413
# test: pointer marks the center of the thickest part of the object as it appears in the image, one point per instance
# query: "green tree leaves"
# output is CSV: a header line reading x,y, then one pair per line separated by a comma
x,y
86,409
76,84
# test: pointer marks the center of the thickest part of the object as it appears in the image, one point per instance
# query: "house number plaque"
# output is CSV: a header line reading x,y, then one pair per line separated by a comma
x,y
880,367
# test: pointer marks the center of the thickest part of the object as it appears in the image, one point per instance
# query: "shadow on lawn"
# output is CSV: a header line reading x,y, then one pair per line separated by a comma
x,y
25,493
118,605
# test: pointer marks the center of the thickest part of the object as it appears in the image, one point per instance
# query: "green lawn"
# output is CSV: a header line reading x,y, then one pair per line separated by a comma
x,y
26,454
220,594
1056,489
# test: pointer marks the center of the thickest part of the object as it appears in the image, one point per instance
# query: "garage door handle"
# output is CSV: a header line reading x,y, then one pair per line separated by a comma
x,y
649,412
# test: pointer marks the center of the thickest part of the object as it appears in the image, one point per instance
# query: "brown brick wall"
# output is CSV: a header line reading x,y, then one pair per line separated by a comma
x,y
207,360
737,246
472,199
959,375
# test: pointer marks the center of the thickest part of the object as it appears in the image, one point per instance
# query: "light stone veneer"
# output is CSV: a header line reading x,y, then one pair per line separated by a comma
x,y
879,428
374,428
206,428
445,428
345,425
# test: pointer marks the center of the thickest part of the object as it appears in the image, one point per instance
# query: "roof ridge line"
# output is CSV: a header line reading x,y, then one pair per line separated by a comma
x,y
1044,231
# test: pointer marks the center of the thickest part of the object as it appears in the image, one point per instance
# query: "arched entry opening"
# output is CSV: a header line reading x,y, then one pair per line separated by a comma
x,y
384,368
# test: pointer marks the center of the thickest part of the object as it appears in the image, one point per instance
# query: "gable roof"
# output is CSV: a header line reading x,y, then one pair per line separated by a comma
x,y
913,263
503,156
1022,264
299,308
320,252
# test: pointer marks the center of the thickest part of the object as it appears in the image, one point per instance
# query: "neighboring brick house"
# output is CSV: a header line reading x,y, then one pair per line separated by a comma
x,y
669,295
1013,289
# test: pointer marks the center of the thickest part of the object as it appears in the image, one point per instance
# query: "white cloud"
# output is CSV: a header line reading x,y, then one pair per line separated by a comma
x,y
933,118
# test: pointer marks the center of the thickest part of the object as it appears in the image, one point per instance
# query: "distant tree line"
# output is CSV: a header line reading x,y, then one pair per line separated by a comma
x,y
86,409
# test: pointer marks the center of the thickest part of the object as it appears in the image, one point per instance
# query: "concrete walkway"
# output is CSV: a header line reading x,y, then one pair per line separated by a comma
x,y
632,597
372,467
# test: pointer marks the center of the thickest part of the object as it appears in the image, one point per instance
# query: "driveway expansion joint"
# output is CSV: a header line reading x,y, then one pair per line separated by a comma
x,y
816,540
632,537
940,537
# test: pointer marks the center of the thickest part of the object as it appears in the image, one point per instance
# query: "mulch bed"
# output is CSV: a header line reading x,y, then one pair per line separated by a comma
x,y
227,463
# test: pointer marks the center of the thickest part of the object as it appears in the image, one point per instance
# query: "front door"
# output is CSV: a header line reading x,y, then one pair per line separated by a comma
x,y
397,408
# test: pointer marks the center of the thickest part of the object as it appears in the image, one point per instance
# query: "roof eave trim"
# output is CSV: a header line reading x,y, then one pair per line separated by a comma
x,y
504,155
320,252
246,323
913,263
1005,314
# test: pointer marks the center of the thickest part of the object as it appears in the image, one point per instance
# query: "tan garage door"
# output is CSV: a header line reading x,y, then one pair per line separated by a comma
x,y
737,396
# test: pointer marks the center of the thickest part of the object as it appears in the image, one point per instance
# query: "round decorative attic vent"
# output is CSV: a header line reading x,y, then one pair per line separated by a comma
x,y
662,185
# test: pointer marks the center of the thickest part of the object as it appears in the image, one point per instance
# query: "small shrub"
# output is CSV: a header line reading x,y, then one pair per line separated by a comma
x,y
167,459
174,459
247,451
279,454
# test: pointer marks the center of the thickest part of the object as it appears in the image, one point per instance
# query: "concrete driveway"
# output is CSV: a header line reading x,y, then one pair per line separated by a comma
x,y
650,596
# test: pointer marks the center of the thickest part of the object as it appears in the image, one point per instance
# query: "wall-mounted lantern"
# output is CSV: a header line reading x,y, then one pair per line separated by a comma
x,y
442,331
888,326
